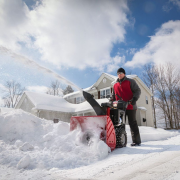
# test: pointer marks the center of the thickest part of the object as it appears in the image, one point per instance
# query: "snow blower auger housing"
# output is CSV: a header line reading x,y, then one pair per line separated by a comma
x,y
109,124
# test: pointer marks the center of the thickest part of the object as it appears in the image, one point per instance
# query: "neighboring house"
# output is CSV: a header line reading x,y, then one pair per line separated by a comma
x,y
52,107
103,89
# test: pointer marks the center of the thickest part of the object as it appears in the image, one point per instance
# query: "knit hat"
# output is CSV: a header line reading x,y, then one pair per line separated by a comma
x,y
121,70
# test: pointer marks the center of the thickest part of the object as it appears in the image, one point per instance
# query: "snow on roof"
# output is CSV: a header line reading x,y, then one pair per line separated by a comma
x,y
49,102
56,103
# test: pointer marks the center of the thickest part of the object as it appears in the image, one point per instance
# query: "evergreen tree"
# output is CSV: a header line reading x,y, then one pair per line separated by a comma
x,y
68,90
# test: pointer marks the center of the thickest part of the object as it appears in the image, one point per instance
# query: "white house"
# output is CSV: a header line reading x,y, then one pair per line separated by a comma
x,y
102,88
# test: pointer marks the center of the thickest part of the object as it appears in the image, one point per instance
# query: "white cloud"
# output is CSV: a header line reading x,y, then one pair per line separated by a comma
x,y
176,2
116,62
162,47
67,33
131,51
38,89
168,6
14,23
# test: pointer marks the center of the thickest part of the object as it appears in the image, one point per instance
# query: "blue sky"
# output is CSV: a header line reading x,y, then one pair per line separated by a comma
x,y
80,39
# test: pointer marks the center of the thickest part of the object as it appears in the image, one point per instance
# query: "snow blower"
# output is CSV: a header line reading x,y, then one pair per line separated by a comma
x,y
109,124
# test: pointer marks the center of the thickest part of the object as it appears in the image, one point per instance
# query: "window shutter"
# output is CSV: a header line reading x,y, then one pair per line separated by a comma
x,y
98,94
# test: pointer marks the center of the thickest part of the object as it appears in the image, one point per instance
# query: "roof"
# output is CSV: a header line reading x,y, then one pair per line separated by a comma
x,y
55,103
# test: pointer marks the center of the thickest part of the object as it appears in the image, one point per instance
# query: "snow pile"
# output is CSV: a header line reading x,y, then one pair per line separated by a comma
x,y
18,125
27,142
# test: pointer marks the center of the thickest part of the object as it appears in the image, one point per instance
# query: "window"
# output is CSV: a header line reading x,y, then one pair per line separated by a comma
x,y
105,93
146,100
79,100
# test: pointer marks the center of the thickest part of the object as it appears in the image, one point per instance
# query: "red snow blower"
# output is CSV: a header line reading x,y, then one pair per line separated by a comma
x,y
108,125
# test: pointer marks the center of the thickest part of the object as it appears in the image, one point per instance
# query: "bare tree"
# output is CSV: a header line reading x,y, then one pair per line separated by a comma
x,y
168,81
164,82
149,77
13,92
56,88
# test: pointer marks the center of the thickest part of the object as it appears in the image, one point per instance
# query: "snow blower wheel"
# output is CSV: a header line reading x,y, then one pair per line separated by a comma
x,y
121,137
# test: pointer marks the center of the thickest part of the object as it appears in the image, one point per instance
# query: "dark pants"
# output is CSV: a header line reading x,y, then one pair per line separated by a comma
x,y
131,114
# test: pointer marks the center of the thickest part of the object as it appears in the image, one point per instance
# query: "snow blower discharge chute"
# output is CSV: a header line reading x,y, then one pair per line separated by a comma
x,y
109,124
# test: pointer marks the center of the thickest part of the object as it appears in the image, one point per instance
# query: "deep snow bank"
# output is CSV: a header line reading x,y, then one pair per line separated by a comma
x,y
18,125
29,142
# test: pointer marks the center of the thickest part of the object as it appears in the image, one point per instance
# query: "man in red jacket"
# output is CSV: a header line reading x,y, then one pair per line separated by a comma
x,y
127,90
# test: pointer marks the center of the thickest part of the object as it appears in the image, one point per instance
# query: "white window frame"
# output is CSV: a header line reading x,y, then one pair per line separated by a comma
x,y
79,99
104,89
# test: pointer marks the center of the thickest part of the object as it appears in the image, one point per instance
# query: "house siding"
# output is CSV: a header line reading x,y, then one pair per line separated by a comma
x,y
27,106
142,103
104,85
50,115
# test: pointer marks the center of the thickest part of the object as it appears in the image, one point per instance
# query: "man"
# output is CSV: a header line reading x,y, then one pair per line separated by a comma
x,y
127,90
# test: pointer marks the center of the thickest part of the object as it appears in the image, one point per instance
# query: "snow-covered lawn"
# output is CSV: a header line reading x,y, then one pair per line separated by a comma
x,y
32,148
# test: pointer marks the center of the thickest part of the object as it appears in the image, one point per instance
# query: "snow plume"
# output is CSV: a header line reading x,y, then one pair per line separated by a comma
x,y
162,47
33,64
65,33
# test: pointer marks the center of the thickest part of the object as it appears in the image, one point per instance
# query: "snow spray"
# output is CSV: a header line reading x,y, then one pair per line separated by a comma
x,y
26,61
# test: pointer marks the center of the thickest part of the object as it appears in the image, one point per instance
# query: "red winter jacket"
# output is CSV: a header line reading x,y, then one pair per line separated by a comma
x,y
126,89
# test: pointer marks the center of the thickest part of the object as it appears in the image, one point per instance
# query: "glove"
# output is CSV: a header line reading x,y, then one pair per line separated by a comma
x,y
133,102
111,101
